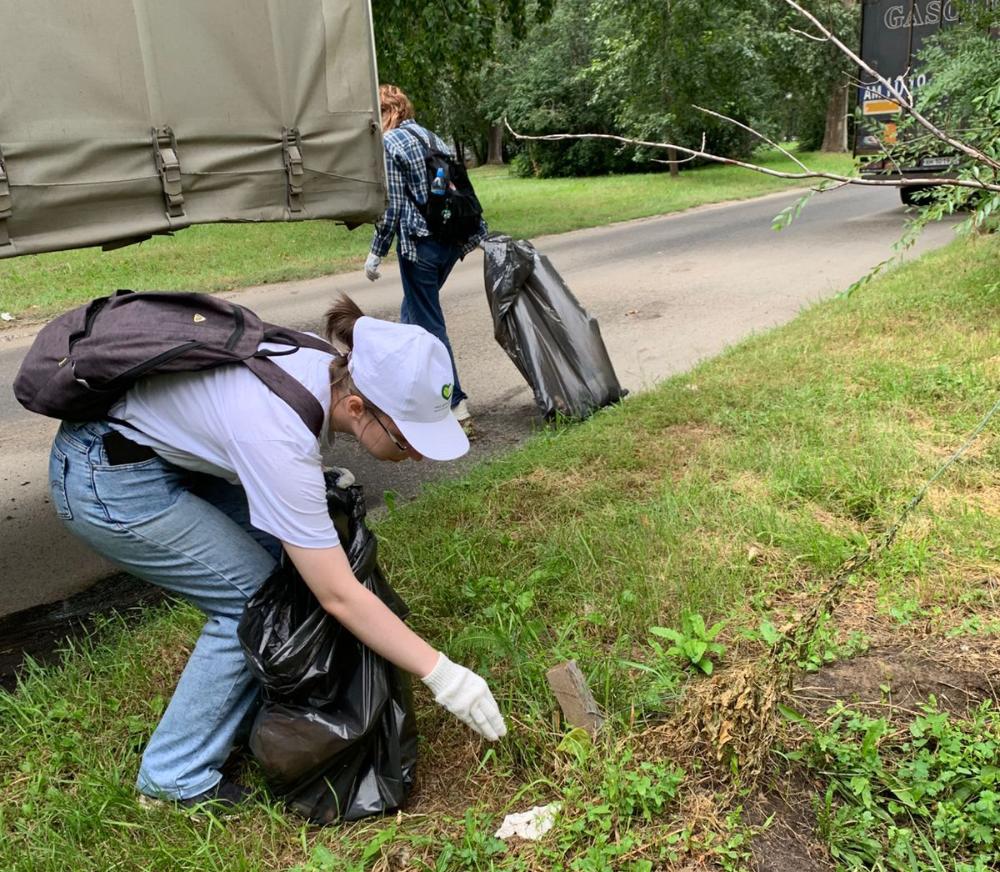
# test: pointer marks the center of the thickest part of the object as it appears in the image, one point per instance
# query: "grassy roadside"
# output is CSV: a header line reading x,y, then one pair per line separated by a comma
x,y
222,257
731,492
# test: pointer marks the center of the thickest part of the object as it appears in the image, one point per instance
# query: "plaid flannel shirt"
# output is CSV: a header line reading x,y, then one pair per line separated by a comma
x,y
406,171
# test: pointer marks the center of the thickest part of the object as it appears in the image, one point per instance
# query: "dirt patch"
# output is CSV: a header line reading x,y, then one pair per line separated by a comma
x,y
450,778
986,498
668,452
959,673
790,842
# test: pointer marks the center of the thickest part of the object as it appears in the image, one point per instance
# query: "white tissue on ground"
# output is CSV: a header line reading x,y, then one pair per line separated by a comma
x,y
531,824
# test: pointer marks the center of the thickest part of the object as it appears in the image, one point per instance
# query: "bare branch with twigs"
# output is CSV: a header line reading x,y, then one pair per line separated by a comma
x,y
937,181
756,133
802,33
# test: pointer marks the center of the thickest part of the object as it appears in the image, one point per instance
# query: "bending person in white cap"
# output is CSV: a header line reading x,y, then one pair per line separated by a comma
x,y
214,476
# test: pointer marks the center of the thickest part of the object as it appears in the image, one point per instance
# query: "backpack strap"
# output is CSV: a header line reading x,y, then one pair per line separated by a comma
x,y
420,207
291,390
425,143
287,336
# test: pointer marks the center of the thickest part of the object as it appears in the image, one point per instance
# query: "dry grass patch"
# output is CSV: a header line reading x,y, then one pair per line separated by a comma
x,y
638,466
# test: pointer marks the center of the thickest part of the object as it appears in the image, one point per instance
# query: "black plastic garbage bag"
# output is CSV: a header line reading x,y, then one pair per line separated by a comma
x,y
336,734
551,338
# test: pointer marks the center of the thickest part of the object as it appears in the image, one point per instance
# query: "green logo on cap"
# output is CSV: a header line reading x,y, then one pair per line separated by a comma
x,y
446,392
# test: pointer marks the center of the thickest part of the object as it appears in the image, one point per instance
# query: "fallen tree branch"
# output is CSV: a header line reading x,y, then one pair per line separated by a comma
x,y
934,182
753,132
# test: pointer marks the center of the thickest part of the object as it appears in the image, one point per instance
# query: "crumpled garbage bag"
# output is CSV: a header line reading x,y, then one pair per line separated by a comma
x,y
336,734
554,342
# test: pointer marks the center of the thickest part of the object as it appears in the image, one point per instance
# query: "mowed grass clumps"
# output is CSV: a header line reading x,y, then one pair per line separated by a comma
x,y
733,491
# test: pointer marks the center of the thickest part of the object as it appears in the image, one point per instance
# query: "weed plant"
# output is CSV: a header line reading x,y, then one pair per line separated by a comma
x,y
925,796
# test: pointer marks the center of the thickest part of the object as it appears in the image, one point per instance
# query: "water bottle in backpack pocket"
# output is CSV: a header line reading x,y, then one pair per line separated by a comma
x,y
452,211
439,187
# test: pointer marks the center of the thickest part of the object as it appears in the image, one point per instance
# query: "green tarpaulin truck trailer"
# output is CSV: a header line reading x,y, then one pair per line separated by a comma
x,y
124,118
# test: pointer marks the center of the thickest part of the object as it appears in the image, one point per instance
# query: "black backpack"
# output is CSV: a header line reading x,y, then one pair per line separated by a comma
x,y
81,363
455,216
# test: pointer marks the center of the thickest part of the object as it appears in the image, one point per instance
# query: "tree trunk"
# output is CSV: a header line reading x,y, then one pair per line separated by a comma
x,y
495,153
672,157
835,133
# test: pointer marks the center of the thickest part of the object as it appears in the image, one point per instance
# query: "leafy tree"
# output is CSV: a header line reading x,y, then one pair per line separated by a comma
x,y
639,68
434,50
746,61
813,80
660,59
544,85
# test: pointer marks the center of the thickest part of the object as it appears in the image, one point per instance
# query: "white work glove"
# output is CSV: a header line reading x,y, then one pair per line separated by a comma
x,y
371,267
467,697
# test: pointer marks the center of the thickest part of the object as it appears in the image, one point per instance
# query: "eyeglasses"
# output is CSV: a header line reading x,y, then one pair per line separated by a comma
x,y
402,446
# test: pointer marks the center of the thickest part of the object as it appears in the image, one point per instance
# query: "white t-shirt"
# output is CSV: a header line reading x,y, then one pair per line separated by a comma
x,y
226,422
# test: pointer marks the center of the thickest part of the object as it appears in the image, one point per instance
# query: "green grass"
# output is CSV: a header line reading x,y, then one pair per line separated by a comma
x,y
222,257
732,491
920,797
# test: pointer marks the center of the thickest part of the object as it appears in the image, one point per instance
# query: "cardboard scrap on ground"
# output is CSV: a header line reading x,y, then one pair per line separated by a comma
x,y
575,699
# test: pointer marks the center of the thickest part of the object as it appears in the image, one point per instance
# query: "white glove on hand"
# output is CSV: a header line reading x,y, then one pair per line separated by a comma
x,y
467,697
371,267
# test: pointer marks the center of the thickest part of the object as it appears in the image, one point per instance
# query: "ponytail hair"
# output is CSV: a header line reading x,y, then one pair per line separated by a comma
x,y
338,327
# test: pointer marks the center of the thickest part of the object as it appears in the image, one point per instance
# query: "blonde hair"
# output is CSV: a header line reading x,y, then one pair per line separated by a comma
x,y
395,107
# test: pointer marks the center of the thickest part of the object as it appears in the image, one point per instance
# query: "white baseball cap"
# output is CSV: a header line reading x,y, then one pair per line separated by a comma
x,y
407,373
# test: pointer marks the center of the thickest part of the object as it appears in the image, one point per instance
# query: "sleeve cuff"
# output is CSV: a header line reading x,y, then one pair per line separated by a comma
x,y
435,679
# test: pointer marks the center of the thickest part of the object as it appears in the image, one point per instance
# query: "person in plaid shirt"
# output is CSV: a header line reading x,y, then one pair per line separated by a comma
x,y
424,262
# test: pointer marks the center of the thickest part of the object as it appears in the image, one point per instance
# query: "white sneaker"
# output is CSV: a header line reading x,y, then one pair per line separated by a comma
x,y
461,412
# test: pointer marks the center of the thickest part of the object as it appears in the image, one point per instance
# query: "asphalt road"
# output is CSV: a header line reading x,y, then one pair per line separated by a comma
x,y
667,292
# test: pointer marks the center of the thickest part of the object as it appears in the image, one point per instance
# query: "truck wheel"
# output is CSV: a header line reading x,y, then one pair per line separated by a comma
x,y
911,195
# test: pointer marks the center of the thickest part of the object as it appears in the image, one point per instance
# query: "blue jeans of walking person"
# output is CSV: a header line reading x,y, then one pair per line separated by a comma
x,y
423,279
190,534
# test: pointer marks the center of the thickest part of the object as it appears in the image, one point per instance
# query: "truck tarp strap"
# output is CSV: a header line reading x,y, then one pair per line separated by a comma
x,y
5,207
291,144
169,167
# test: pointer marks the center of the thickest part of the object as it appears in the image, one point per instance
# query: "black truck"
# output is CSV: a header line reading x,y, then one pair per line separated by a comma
x,y
892,34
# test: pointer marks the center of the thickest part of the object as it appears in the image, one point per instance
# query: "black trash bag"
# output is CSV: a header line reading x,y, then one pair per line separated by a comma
x,y
336,734
551,338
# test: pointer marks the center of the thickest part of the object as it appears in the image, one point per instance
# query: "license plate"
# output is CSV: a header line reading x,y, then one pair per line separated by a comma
x,y
936,162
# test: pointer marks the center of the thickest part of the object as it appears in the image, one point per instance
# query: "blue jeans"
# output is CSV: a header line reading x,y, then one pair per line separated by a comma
x,y
190,534
423,279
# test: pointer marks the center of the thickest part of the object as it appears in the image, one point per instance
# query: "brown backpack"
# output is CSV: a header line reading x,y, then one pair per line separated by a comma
x,y
82,362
